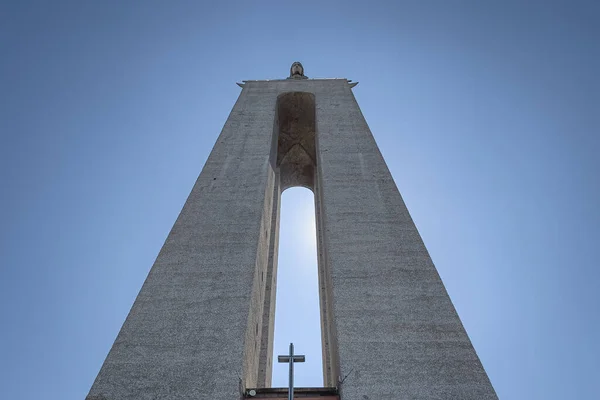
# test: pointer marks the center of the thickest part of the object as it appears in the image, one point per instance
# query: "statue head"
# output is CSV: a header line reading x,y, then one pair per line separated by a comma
x,y
297,70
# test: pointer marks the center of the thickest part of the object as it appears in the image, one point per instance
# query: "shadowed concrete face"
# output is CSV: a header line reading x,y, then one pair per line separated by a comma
x,y
202,324
296,157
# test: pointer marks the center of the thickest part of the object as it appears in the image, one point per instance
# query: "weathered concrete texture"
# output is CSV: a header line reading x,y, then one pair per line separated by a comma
x,y
398,334
194,331
202,324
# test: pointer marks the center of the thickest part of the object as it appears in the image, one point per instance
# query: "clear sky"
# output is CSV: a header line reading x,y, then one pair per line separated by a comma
x,y
487,113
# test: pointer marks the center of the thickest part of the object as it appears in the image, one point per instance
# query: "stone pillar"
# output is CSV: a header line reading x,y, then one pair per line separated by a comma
x,y
194,331
398,334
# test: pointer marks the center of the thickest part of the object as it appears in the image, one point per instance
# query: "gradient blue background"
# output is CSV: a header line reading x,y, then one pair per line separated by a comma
x,y
487,112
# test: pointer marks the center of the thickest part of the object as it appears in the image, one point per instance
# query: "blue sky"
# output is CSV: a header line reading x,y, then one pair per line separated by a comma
x,y
487,113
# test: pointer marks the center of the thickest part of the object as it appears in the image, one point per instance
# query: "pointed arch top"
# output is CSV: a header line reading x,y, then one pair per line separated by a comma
x,y
296,147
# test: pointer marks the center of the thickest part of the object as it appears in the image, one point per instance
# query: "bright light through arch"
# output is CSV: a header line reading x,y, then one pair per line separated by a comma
x,y
297,311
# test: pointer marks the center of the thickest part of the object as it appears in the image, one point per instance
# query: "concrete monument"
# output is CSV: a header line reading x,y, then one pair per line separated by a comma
x,y
202,324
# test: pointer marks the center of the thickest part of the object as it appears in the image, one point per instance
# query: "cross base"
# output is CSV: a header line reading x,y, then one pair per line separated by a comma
x,y
299,393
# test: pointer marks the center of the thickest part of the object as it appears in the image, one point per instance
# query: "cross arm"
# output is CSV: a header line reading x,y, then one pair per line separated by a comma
x,y
286,359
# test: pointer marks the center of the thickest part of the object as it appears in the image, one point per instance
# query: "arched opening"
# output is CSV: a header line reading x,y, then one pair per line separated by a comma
x,y
297,311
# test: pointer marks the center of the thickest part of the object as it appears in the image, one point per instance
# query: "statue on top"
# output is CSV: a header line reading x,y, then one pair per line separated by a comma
x,y
297,71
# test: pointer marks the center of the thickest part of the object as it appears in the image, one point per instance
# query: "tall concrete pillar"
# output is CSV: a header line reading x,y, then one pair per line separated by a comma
x,y
202,324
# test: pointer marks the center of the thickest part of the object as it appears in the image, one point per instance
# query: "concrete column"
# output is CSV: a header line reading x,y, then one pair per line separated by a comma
x,y
398,334
194,329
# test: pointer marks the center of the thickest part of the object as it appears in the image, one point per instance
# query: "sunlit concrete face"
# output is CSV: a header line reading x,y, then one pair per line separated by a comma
x,y
202,325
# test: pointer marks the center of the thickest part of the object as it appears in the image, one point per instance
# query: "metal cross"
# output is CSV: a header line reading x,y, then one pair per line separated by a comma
x,y
291,359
